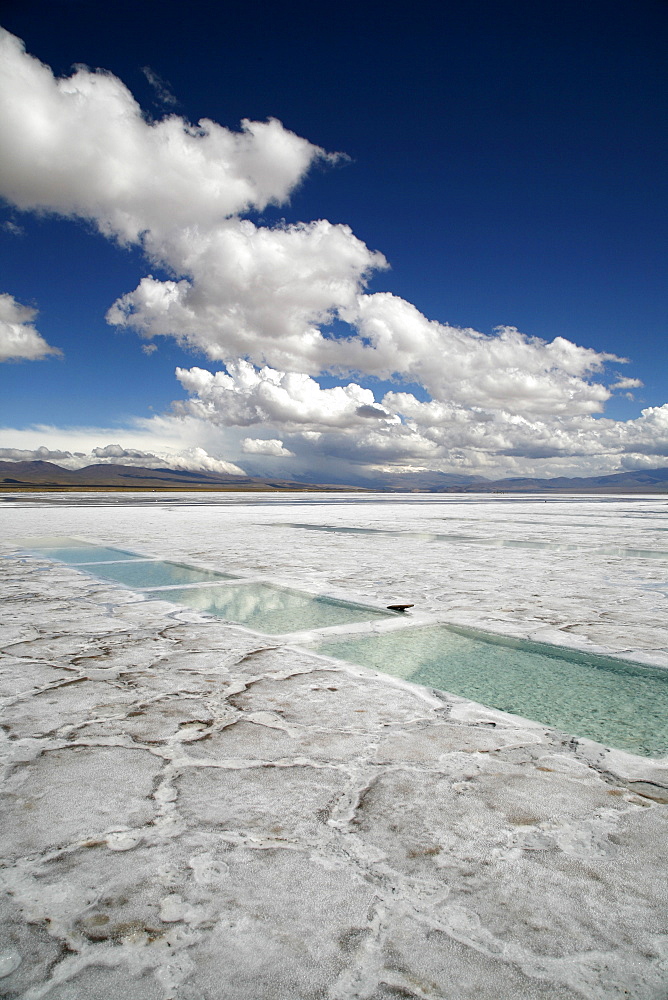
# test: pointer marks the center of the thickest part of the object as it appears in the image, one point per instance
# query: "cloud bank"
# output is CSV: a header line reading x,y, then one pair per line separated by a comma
x,y
345,424
192,459
281,306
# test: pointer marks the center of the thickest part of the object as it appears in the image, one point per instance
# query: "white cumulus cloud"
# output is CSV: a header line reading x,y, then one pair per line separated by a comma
x,y
248,290
81,146
506,370
246,395
191,459
42,454
197,460
266,446
626,383
19,340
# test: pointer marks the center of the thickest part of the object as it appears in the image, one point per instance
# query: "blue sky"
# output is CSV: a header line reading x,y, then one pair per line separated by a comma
x,y
507,160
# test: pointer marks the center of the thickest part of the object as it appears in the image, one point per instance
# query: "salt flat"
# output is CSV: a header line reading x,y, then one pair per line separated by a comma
x,y
193,811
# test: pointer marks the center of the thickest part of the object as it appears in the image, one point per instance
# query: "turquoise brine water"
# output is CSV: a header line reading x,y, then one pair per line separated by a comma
x,y
80,552
618,703
259,606
139,574
270,609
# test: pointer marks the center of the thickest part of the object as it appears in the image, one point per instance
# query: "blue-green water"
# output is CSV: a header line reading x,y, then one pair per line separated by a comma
x,y
80,552
260,606
618,703
270,609
141,574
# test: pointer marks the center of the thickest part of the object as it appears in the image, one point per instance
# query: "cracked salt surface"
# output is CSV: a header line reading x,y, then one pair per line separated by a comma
x,y
199,814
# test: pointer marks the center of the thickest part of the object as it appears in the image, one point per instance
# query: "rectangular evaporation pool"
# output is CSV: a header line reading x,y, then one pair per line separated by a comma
x,y
614,702
81,552
270,609
125,567
143,574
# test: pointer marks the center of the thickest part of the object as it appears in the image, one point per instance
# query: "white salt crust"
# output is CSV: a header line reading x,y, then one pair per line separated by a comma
x,y
195,812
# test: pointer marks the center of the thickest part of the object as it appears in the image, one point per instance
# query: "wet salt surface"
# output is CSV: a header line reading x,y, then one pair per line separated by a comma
x,y
517,543
214,817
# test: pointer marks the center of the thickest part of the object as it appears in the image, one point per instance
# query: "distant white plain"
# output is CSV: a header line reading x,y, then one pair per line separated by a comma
x,y
589,572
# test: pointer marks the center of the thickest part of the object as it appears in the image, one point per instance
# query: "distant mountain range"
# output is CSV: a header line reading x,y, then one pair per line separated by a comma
x,y
639,481
43,475
47,475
